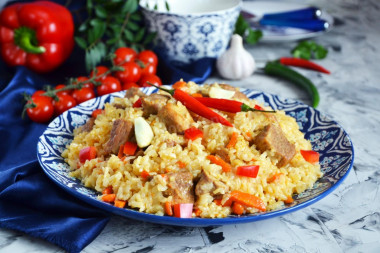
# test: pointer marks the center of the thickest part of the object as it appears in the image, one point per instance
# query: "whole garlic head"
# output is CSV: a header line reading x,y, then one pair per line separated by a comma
x,y
236,62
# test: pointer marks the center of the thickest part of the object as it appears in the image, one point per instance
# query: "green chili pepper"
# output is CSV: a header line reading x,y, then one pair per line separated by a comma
x,y
279,70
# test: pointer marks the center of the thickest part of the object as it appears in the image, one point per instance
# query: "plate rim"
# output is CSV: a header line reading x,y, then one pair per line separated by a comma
x,y
201,222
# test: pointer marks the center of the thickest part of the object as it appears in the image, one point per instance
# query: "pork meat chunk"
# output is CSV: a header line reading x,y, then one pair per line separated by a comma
x,y
121,132
273,138
207,184
88,126
176,118
153,103
180,186
131,92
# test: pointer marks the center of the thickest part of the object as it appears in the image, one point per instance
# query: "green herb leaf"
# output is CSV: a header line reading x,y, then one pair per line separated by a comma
x,y
149,38
132,26
81,42
136,16
128,35
167,6
309,50
241,26
130,6
253,36
94,55
139,36
100,11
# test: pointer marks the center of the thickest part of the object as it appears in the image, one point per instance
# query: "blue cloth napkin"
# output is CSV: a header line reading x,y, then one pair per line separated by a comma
x,y
29,201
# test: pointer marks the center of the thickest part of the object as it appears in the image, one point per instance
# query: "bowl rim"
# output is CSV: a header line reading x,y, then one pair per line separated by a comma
x,y
238,5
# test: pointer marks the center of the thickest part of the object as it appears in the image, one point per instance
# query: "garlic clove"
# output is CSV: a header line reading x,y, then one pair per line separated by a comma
x,y
221,93
143,132
236,62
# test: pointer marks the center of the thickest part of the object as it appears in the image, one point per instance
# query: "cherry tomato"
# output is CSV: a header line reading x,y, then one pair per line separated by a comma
x,y
39,93
100,70
65,92
43,111
109,85
149,78
148,69
84,94
127,86
131,73
148,56
64,103
124,54
84,79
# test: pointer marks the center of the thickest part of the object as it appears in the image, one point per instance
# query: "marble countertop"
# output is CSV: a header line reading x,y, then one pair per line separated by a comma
x,y
347,220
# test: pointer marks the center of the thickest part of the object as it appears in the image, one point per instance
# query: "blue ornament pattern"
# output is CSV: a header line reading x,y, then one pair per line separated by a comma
x,y
326,136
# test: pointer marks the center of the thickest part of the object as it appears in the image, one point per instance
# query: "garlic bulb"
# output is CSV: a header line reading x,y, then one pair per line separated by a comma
x,y
236,62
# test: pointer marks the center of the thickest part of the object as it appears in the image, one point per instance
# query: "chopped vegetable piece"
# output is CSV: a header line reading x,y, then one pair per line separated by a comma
x,y
145,174
109,198
197,95
181,164
274,177
183,210
248,171
218,202
289,200
193,133
137,104
107,190
310,156
168,208
237,208
130,148
179,84
233,140
120,203
248,200
87,153
219,161
120,154
197,212
97,112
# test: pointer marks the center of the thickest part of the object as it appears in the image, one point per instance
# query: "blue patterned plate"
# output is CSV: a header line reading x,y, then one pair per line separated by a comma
x,y
327,137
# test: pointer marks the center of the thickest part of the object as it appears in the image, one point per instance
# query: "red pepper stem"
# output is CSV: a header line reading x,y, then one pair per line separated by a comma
x,y
171,92
25,38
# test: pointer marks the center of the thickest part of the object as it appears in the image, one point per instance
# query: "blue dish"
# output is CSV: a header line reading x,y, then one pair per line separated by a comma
x,y
327,137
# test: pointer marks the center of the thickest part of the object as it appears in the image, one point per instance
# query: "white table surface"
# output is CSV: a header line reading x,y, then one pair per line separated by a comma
x,y
347,220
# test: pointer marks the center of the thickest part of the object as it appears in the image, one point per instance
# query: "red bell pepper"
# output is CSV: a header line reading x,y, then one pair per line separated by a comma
x,y
248,171
87,153
183,210
193,133
129,148
310,156
38,35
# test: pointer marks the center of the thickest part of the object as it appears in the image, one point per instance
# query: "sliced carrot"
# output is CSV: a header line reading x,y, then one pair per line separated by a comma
x,y
289,200
96,112
145,174
120,203
168,208
249,134
228,202
197,95
181,164
164,176
248,200
219,161
179,84
218,202
237,208
274,177
233,140
120,154
109,198
197,212
167,170
107,190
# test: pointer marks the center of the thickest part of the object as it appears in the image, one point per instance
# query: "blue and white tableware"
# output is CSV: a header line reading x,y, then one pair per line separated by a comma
x,y
191,30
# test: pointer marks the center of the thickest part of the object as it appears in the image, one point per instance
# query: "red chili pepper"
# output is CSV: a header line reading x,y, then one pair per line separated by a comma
x,y
248,171
39,35
228,105
193,133
195,106
298,62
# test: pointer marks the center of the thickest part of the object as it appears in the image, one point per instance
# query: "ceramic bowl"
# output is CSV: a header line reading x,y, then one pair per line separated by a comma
x,y
191,30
